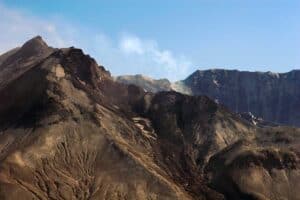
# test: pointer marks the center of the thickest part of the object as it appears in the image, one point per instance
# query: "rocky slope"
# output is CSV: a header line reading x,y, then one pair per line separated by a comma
x,y
69,131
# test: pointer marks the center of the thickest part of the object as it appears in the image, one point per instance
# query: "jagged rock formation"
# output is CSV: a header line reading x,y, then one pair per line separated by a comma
x,y
272,96
69,131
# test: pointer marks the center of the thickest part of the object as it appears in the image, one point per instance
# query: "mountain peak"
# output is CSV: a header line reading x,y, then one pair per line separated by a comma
x,y
37,38
35,45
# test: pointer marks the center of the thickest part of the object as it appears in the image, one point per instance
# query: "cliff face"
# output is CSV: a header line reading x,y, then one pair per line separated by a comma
x,y
69,131
274,97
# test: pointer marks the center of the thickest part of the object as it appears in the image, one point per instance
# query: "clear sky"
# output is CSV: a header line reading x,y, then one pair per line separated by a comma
x,y
163,38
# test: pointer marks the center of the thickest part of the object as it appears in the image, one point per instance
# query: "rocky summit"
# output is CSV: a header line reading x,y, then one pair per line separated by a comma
x,y
68,130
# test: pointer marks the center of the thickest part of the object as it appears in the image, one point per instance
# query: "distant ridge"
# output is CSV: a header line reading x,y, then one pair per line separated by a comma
x,y
275,97
149,84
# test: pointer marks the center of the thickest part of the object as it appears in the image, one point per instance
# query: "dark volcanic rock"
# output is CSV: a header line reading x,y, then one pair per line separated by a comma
x,y
272,96
69,131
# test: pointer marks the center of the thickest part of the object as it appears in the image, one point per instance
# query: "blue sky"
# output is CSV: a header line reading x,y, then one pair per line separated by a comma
x,y
163,38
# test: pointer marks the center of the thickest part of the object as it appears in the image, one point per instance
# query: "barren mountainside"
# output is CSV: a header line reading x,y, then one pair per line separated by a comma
x,y
275,97
68,130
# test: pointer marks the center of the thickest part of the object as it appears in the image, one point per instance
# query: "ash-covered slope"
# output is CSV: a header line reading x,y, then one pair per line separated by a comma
x,y
69,131
273,96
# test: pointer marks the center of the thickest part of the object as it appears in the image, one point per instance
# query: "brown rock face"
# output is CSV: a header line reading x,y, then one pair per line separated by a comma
x,y
69,131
